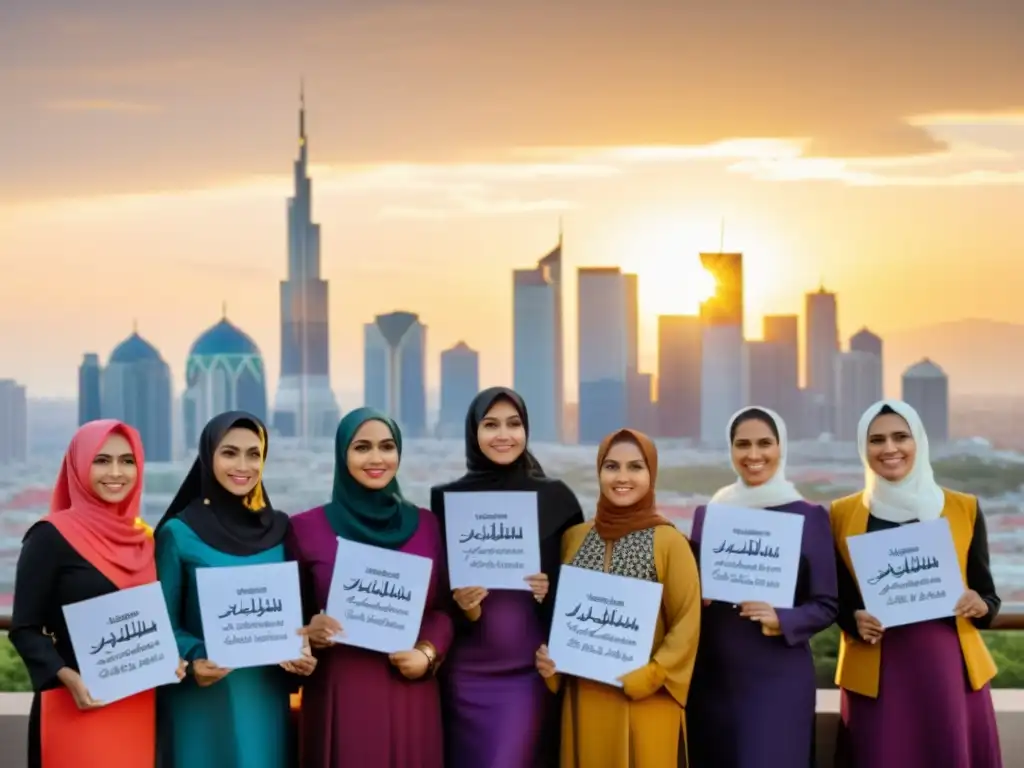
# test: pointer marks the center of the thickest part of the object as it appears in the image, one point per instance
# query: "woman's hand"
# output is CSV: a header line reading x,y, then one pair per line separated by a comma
x,y
869,628
705,602
304,665
760,612
76,687
207,673
545,665
322,630
971,606
469,598
539,585
412,664
182,669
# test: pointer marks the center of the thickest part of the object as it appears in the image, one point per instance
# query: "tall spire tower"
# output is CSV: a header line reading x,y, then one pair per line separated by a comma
x,y
305,406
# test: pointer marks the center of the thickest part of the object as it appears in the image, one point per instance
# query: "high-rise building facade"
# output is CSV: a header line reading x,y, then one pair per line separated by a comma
x,y
90,396
224,371
821,349
858,386
679,376
774,368
604,351
137,390
538,366
926,388
460,383
305,406
724,375
395,370
13,423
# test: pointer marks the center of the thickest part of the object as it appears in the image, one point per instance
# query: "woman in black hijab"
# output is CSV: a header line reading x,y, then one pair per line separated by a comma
x,y
221,516
498,712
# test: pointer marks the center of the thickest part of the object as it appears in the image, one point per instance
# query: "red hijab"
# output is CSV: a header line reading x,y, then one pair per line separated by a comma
x,y
107,535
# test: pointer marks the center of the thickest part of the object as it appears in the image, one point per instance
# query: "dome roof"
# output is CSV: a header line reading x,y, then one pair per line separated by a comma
x,y
135,349
925,369
223,339
865,335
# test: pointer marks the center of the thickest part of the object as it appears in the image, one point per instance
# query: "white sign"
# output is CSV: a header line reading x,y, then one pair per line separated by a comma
x,y
378,595
604,624
908,574
750,555
251,614
493,539
124,642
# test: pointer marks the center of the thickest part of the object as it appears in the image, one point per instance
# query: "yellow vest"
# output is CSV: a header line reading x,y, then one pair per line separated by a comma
x,y
859,662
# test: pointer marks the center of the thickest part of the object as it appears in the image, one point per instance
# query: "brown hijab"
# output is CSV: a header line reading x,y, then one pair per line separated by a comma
x,y
614,522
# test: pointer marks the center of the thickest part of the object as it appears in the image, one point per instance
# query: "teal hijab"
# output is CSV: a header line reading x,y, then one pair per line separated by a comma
x,y
381,518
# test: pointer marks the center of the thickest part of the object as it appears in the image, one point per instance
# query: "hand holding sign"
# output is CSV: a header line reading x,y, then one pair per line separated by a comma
x,y
760,612
539,585
971,606
76,687
322,630
207,673
869,628
545,666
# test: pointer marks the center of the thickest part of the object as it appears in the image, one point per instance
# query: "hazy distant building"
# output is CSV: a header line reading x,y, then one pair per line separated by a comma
x,y
224,371
460,383
724,383
395,370
866,341
643,414
538,365
13,423
926,388
305,406
679,376
137,390
858,386
774,369
604,351
90,396
822,348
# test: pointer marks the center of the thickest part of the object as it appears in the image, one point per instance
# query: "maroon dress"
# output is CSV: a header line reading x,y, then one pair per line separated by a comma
x,y
357,710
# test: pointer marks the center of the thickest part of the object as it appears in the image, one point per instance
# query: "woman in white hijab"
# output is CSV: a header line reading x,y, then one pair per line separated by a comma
x,y
752,699
916,694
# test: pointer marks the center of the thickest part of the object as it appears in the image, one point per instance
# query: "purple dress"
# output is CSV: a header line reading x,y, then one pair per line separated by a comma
x,y
357,710
752,699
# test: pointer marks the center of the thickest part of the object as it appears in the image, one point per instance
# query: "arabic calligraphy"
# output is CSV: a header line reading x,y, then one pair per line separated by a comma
x,y
751,548
493,532
609,618
256,607
910,565
129,631
380,589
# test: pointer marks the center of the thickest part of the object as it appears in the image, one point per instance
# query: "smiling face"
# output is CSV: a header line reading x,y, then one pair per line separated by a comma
x,y
238,461
891,447
114,472
625,477
502,434
372,456
755,452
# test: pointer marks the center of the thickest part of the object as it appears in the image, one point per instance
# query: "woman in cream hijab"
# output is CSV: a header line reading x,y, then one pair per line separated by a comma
x,y
916,694
753,691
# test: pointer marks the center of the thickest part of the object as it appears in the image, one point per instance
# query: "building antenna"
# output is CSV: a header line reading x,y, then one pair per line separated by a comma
x,y
135,325
224,310
721,237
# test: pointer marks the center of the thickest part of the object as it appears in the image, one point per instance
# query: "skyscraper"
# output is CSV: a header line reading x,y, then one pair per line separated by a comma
x,y
821,349
90,397
137,390
679,376
460,382
724,383
13,422
604,351
538,372
858,386
926,388
774,368
395,370
305,406
224,371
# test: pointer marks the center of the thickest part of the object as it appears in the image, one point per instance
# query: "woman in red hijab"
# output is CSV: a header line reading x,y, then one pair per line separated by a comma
x,y
90,544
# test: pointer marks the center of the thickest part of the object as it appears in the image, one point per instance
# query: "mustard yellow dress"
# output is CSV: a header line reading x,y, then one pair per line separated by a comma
x,y
643,724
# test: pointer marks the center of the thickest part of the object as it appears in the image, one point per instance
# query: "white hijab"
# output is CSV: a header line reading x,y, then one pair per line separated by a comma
x,y
917,496
777,491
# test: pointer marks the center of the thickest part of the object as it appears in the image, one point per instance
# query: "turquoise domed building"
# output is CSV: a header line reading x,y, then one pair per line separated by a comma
x,y
136,389
224,372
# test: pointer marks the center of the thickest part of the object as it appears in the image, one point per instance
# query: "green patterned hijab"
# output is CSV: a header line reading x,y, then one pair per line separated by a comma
x,y
381,518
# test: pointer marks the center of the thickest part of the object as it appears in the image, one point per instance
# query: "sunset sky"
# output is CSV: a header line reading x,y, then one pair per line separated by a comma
x,y
146,150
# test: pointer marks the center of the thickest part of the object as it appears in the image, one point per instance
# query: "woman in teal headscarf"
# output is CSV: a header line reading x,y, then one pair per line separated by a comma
x,y
364,709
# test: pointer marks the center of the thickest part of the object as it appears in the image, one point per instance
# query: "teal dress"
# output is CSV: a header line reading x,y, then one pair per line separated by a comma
x,y
242,720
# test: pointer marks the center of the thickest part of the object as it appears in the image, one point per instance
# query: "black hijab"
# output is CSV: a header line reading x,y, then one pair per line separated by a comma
x,y
231,524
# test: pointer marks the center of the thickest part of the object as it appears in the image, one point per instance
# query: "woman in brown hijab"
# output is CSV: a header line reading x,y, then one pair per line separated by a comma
x,y
643,723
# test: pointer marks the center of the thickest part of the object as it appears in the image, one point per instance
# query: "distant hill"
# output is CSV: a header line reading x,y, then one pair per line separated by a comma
x,y
981,357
